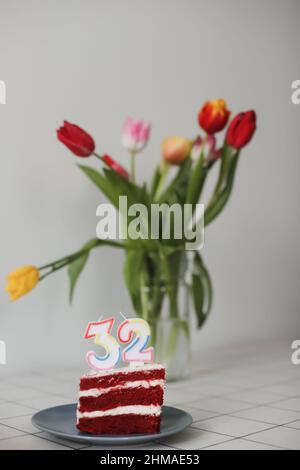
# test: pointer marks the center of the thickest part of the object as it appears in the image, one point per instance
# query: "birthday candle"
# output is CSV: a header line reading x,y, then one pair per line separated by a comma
x,y
137,350
100,330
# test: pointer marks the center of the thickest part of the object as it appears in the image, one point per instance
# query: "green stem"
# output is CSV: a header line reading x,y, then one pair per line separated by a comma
x,y
97,156
133,166
153,327
170,286
222,173
101,159
55,265
164,168
178,327
158,295
144,289
54,268
155,292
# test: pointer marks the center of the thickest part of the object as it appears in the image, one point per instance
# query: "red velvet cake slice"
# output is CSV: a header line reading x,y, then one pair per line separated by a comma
x,y
121,401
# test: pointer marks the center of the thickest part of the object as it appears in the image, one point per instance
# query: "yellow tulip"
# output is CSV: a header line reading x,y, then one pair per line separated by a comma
x,y
176,149
22,281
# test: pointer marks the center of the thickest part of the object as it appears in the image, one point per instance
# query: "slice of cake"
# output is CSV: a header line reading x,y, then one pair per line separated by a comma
x,y
121,401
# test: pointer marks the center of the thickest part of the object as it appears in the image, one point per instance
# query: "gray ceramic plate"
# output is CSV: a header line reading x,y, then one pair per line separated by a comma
x,y
61,422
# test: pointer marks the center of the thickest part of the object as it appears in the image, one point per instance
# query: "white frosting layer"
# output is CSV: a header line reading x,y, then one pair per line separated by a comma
x,y
96,392
122,410
124,370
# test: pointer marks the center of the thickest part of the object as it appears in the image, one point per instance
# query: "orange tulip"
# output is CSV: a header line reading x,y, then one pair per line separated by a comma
x,y
213,116
176,149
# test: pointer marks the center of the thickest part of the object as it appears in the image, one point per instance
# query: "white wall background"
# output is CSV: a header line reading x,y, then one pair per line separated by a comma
x,y
93,62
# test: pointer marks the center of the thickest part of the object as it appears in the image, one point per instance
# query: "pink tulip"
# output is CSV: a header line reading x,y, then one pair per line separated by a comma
x,y
135,135
208,146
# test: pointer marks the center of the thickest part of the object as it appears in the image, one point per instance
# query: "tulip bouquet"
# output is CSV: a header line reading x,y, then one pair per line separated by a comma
x,y
153,268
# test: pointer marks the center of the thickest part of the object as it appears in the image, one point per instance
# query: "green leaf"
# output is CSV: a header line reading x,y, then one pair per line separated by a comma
x,y
174,194
220,199
102,183
121,186
76,266
201,290
177,189
155,181
135,194
196,181
143,196
80,258
74,271
226,159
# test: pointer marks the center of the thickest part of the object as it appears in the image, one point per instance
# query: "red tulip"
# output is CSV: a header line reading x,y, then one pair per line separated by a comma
x,y
115,166
213,116
76,139
241,129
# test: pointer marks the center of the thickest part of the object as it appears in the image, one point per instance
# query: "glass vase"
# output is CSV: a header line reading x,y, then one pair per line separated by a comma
x,y
166,307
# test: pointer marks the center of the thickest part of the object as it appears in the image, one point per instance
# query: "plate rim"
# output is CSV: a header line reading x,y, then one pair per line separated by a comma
x,y
90,439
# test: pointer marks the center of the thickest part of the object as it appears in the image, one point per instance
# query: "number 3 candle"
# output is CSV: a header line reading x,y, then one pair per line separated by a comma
x,y
101,332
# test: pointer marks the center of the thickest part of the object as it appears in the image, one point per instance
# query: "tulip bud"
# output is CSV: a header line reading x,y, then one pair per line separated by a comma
x,y
241,129
176,149
135,135
22,281
115,166
76,139
206,145
213,116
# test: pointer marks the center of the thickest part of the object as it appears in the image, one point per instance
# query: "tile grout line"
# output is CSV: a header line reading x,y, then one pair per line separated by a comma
x,y
236,437
25,434
249,419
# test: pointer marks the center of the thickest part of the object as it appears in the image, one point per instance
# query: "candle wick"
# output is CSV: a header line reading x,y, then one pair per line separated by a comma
x,y
122,315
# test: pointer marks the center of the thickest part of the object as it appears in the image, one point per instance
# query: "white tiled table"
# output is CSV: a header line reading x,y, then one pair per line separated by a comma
x,y
243,397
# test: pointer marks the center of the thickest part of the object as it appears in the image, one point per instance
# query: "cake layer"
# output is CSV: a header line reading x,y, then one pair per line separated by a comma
x,y
121,410
96,392
124,370
124,396
121,424
122,376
